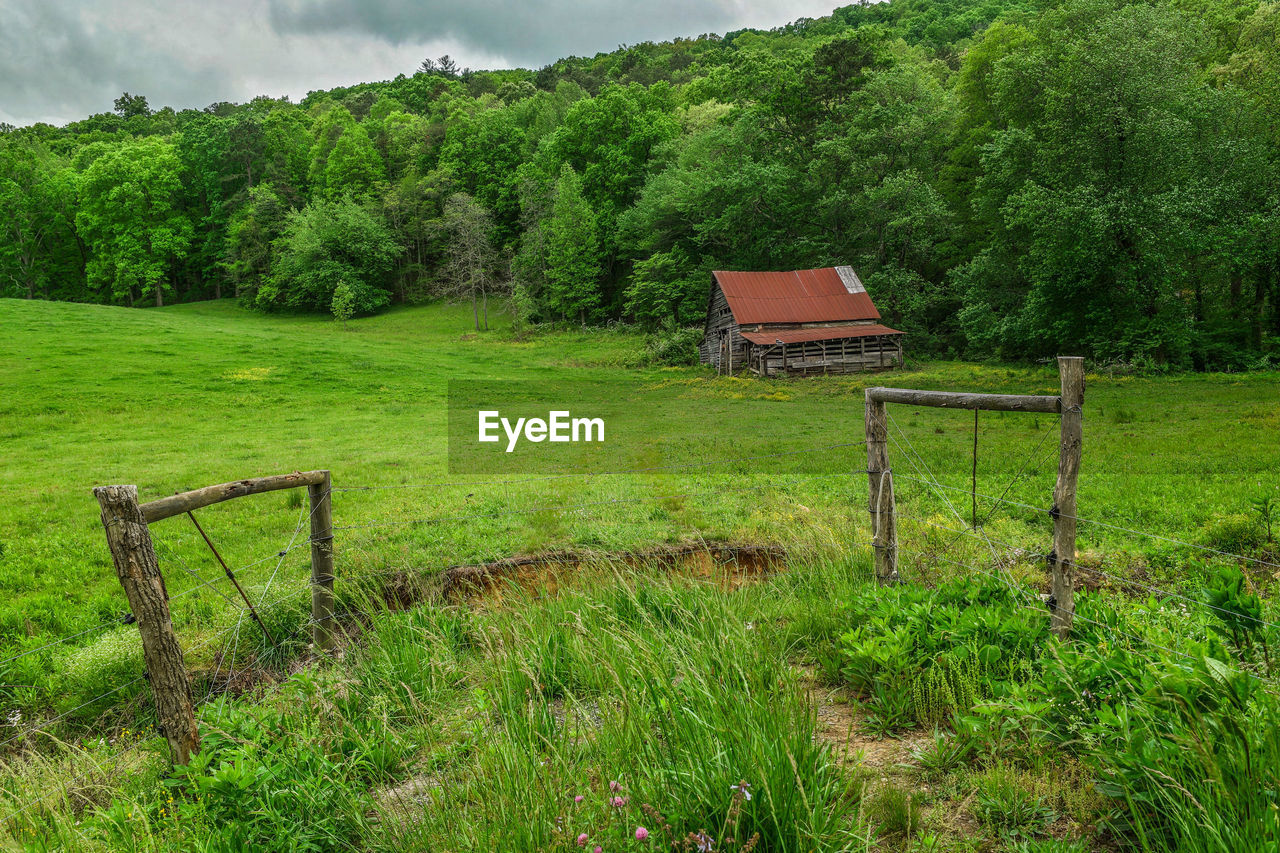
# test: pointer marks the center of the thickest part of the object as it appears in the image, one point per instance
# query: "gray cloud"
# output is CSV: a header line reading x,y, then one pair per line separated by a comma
x,y
534,33
62,60
58,63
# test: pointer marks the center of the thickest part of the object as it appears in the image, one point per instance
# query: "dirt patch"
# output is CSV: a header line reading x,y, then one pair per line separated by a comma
x,y
726,563
839,726
406,801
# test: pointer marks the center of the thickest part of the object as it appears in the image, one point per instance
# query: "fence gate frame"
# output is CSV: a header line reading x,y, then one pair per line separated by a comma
x,y
1069,405
127,524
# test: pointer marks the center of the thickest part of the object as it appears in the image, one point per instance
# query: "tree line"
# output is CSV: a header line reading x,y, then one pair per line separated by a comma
x,y
1011,178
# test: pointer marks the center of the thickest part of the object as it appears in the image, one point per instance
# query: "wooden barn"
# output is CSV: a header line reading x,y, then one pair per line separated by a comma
x,y
796,323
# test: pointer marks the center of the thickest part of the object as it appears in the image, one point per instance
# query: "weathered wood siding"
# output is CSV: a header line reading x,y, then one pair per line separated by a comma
x,y
815,358
722,340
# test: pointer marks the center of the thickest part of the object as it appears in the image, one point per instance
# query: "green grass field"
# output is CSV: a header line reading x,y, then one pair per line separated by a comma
x,y
187,396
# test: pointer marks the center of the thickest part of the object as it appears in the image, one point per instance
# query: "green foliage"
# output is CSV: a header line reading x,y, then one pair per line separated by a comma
x,y
128,106
1010,178
674,345
343,305
295,794
894,811
571,236
609,139
37,224
128,213
1238,611
325,244
251,238
926,656
1004,803
485,148
1106,176
1267,509
343,159
668,287
944,754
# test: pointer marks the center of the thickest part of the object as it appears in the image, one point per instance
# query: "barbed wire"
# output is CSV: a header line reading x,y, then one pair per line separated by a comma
x,y
926,477
1115,527
1041,607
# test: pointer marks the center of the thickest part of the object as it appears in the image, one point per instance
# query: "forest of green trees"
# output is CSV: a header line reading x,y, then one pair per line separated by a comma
x,y
1011,178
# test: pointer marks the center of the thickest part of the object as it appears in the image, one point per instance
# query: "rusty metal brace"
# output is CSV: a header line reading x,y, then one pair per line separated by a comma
x,y
231,574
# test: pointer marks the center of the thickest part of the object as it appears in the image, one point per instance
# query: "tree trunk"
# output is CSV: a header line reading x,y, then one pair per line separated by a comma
x,y
475,309
159,296
1260,305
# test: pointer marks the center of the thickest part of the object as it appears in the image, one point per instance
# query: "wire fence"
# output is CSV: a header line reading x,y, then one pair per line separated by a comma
x,y
1004,555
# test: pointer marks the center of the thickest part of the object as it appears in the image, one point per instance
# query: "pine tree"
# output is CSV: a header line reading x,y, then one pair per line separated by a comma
x,y
572,241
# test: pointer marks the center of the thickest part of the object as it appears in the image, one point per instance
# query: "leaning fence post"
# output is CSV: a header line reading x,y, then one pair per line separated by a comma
x,y
139,571
884,527
1063,556
321,565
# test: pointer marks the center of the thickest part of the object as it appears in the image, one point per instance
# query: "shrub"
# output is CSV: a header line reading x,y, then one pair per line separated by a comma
x,y
674,345
324,245
1236,533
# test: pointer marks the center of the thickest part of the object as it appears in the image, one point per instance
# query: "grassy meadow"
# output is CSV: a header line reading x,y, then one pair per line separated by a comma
x,y
860,723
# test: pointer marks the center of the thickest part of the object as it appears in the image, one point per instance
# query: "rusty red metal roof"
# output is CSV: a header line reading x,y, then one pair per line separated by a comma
x,y
823,295
828,333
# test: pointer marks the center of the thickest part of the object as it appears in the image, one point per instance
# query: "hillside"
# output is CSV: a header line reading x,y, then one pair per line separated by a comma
x,y
1011,179
643,652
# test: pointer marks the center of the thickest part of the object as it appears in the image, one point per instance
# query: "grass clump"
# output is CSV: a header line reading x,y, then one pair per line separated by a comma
x,y
895,812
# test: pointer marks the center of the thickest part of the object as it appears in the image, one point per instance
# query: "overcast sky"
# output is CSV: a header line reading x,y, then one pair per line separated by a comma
x,y
62,60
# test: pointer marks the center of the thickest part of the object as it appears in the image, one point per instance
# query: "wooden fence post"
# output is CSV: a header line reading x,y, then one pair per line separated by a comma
x,y
139,571
883,523
321,565
1062,557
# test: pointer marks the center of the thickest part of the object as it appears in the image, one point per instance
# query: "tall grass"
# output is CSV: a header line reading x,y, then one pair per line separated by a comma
x,y
659,687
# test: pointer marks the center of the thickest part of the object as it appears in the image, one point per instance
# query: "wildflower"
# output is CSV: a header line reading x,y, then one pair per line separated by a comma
x,y
598,849
641,833
615,786
703,843
578,799
618,802
742,788
582,840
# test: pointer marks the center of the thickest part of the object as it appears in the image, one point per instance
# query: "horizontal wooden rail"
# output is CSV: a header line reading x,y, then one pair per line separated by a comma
x,y
955,400
178,504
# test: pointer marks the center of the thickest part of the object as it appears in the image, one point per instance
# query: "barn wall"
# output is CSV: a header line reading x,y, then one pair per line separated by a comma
x,y
851,355
720,323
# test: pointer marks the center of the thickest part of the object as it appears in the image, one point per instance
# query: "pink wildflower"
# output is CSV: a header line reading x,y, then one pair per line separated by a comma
x,y
641,833
615,786
618,802
582,840
578,799
598,849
